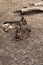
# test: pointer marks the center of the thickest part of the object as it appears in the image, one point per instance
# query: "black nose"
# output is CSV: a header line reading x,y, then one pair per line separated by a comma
x,y
29,30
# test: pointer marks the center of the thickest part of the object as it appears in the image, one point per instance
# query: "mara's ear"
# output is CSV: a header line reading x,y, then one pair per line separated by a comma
x,y
22,18
24,22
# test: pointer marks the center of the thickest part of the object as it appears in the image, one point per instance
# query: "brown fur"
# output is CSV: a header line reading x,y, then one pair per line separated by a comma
x,y
23,33
14,24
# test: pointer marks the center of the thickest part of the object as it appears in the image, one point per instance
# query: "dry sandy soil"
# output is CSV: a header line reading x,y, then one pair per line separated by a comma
x,y
25,52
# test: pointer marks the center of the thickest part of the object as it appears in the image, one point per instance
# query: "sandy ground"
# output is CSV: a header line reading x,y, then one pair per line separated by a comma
x,y
25,52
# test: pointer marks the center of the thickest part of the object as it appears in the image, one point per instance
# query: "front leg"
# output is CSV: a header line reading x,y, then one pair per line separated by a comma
x,y
19,35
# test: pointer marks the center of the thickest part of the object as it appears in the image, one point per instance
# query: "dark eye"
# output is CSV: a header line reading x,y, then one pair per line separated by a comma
x,y
29,30
24,23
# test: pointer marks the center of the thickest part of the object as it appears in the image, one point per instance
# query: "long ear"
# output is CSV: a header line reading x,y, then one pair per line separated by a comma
x,y
22,18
